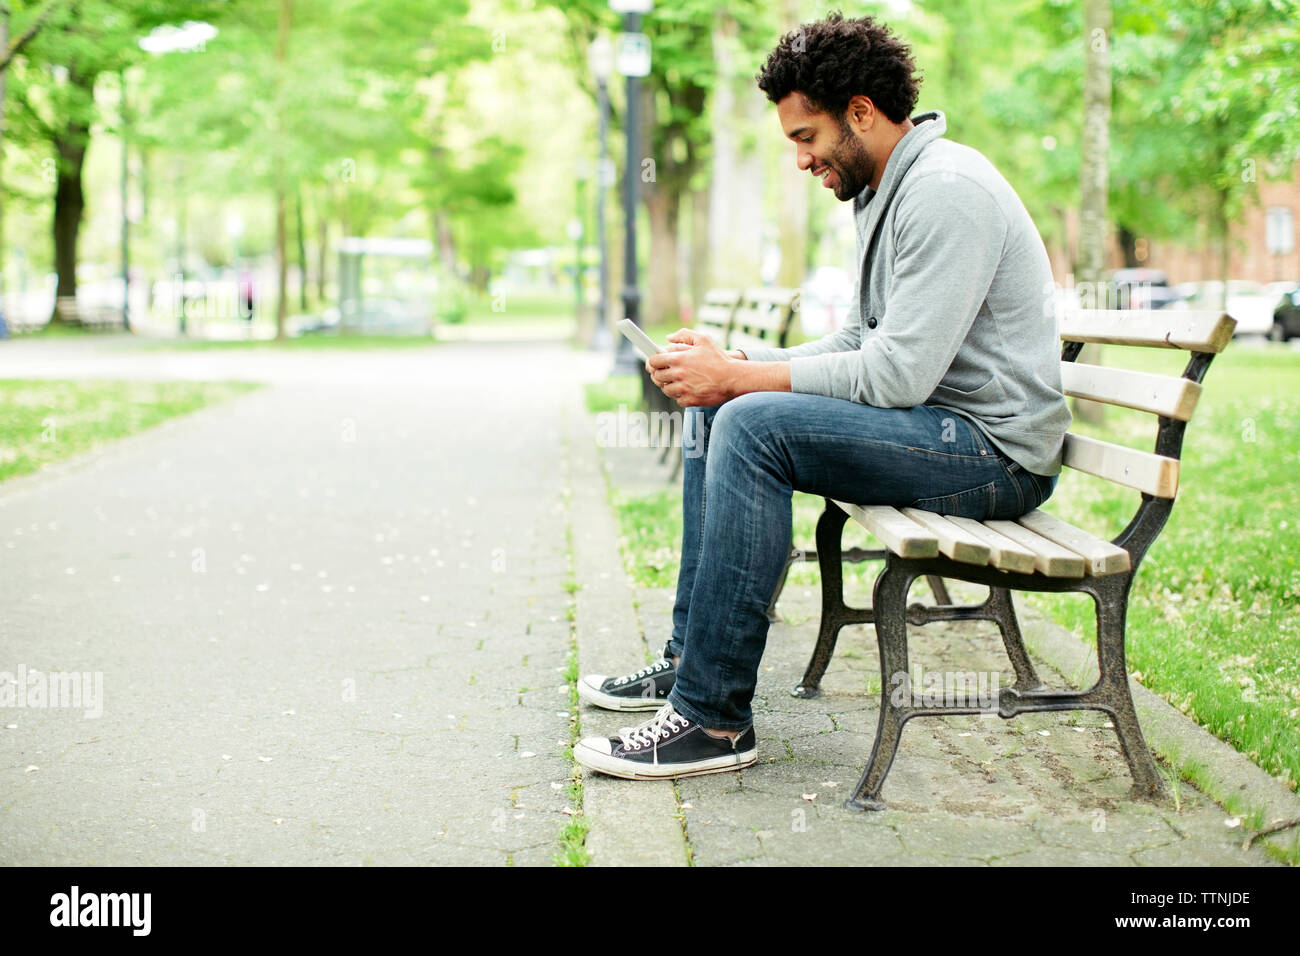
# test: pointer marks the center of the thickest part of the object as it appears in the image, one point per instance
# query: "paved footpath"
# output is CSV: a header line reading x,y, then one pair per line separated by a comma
x,y
331,622
329,616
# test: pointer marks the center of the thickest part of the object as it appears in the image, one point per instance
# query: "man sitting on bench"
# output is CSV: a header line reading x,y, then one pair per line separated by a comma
x,y
942,393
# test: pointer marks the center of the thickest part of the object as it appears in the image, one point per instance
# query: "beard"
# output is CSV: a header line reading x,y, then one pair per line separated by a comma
x,y
852,164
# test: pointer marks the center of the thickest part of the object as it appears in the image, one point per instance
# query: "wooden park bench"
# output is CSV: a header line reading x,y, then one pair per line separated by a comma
x,y
1037,552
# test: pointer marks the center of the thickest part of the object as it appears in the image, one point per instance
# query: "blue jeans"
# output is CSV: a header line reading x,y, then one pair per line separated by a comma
x,y
742,462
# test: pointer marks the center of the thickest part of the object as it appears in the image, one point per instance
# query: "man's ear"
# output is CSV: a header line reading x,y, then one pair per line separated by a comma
x,y
861,113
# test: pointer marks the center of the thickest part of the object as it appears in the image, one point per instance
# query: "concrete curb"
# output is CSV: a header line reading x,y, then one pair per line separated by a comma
x,y
632,825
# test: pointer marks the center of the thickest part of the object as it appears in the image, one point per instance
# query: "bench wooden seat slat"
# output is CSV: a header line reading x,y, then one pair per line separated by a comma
x,y
1100,556
1049,557
955,541
1196,331
1154,474
1004,554
1159,394
899,533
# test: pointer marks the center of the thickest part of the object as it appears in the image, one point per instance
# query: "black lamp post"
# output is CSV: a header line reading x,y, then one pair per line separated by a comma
x,y
600,59
633,62
126,222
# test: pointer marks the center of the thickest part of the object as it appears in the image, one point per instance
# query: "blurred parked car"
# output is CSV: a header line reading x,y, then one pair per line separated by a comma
x,y
1248,302
1141,289
1286,315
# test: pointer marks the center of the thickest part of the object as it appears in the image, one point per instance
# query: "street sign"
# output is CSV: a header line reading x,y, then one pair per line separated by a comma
x,y
633,54
631,6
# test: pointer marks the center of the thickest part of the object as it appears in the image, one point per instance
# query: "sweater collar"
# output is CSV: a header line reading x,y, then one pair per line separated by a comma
x,y
926,128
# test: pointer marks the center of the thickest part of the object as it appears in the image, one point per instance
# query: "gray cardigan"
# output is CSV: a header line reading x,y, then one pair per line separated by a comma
x,y
955,286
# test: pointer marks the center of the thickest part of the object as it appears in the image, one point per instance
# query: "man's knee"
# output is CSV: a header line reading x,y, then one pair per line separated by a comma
x,y
747,425
696,423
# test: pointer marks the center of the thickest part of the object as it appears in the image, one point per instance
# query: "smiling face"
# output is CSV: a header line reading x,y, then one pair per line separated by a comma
x,y
828,147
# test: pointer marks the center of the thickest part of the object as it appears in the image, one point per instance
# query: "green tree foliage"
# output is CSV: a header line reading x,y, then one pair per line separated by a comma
x,y
1202,90
53,88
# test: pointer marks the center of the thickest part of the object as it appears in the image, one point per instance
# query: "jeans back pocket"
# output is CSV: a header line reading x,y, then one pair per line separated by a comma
x,y
978,503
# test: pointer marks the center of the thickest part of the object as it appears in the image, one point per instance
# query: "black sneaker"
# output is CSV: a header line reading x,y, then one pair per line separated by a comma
x,y
668,745
647,689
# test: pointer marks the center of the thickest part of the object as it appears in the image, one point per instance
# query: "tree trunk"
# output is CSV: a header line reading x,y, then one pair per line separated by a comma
x,y
1094,172
735,200
664,306
281,229
69,205
4,44
1224,245
302,249
446,242
1128,245
322,250
793,219
793,225
700,251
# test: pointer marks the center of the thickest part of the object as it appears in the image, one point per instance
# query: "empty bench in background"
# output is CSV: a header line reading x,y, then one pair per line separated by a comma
x,y
758,316
1037,552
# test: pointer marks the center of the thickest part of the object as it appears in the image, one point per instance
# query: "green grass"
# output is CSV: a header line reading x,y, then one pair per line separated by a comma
x,y
45,421
1214,618
510,308
651,530
614,392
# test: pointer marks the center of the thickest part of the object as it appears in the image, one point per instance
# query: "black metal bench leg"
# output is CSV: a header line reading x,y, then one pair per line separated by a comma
x,y
1112,608
890,603
835,614
938,589
794,555
1002,610
668,428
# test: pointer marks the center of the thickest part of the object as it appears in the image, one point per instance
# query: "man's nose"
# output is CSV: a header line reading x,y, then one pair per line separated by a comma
x,y
803,160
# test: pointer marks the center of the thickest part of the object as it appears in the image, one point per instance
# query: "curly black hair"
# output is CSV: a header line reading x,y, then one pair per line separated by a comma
x,y
835,59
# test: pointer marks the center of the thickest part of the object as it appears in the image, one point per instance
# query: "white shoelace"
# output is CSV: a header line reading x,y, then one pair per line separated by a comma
x,y
644,672
659,727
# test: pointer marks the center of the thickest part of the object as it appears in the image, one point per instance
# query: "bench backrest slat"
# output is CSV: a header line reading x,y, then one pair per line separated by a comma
x,y
1158,394
715,314
1147,472
763,317
1196,331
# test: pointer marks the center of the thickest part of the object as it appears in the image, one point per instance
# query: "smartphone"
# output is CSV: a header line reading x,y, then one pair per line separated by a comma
x,y
644,344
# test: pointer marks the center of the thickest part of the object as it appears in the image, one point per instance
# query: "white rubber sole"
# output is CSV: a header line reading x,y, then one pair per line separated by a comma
x,y
632,770
598,698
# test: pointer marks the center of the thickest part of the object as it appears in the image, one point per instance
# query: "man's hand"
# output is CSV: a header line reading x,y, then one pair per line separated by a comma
x,y
697,372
